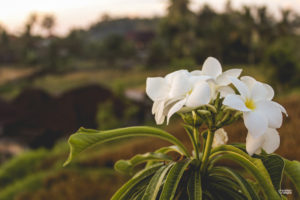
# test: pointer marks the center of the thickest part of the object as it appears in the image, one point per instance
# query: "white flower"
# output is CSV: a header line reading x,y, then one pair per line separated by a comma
x,y
218,81
220,138
176,90
255,101
269,141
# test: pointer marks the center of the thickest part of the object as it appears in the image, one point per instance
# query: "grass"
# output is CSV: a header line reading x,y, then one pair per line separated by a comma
x,y
115,79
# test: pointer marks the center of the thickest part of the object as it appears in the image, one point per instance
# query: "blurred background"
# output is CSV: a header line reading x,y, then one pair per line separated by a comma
x,y
66,64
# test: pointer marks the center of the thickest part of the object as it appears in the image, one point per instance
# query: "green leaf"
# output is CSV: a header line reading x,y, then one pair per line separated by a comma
x,y
156,182
173,179
126,166
275,165
165,150
254,166
194,185
123,192
169,149
225,191
85,138
243,183
292,170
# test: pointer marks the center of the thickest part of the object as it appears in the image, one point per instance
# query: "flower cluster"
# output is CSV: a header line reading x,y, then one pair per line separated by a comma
x,y
183,91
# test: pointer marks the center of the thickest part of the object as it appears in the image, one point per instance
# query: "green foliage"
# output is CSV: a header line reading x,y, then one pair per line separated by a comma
x,y
21,166
106,117
30,183
196,176
126,166
292,170
283,56
84,138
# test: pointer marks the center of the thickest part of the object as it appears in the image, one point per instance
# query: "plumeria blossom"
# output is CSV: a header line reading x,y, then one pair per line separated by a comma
x,y
255,101
218,81
177,90
269,142
220,138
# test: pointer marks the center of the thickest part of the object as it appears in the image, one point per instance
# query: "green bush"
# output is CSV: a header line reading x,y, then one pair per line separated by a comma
x,y
20,166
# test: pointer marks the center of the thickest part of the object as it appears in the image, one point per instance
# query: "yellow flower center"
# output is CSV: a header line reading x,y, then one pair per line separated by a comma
x,y
250,104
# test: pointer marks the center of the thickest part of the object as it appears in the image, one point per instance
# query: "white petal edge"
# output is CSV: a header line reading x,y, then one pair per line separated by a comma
x,y
156,88
271,140
225,91
270,91
212,67
256,123
175,108
180,86
253,144
272,112
280,107
200,95
236,102
249,81
159,113
223,80
240,86
259,92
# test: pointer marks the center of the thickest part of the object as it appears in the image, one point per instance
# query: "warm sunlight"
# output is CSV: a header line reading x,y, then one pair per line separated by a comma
x,y
77,13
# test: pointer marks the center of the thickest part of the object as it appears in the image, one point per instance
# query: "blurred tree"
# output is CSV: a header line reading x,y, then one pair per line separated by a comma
x,y
27,44
177,29
283,58
6,51
113,48
48,23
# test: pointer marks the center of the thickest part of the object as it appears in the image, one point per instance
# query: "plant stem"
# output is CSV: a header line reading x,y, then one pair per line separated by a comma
x,y
207,150
196,139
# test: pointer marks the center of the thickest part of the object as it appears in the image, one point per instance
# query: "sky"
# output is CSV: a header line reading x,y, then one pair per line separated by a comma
x,y
82,13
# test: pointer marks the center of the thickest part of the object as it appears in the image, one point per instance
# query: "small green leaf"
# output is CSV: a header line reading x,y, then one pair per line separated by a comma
x,y
194,185
156,182
85,138
275,165
126,166
123,192
173,179
292,170
243,183
253,165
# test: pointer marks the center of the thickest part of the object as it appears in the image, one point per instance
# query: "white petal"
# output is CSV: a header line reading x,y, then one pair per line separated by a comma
x,y
156,88
196,73
272,112
259,92
200,95
249,81
280,107
159,112
169,77
195,79
180,85
270,92
240,86
223,80
176,107
256,123
212,67
236,102
253,144
271,140
225,90
155,106
220,138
